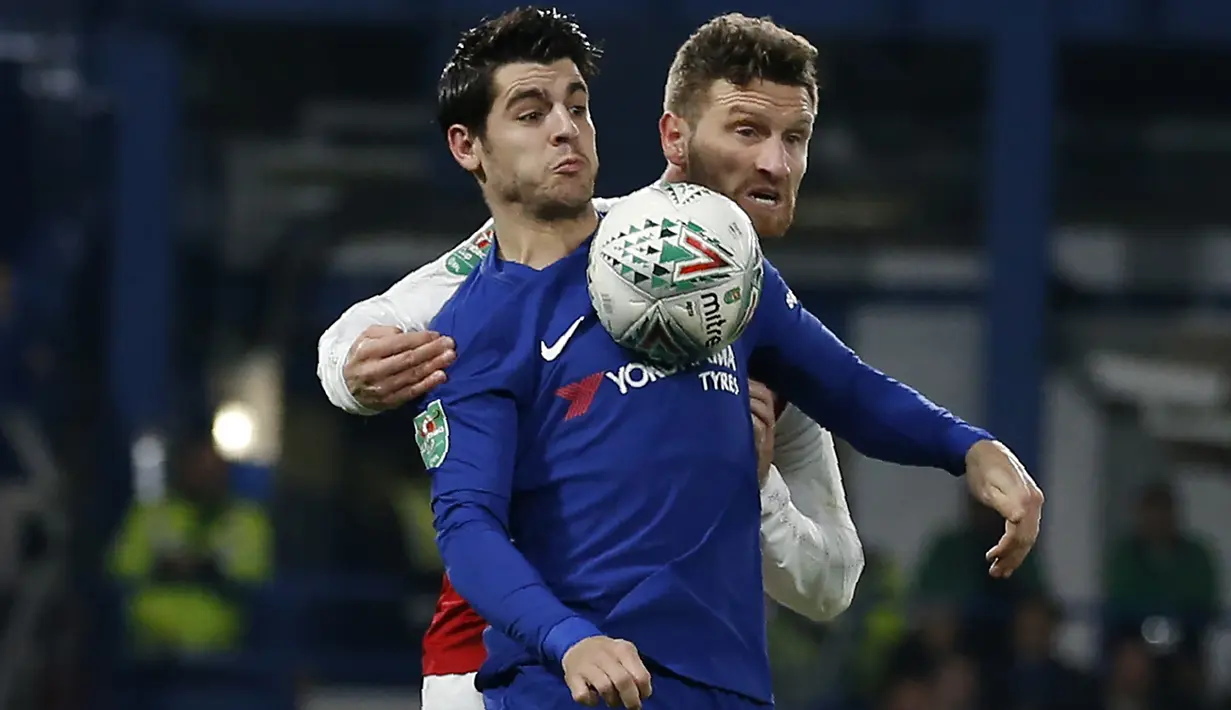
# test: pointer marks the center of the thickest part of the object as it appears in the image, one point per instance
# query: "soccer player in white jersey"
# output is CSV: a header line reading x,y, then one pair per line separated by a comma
x,y
735,120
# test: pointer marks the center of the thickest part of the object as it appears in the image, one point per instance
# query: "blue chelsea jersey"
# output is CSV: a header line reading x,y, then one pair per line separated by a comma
x,y
578,490
629,489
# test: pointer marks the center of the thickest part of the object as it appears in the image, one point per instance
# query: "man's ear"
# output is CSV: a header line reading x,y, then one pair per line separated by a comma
x,y
464,145
674,133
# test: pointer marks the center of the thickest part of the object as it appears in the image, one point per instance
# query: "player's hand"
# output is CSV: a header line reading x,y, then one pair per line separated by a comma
x,y
387,368
607,668
998,480
763,420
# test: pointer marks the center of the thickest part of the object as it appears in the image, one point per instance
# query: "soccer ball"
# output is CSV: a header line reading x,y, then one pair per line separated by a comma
x,y
675,273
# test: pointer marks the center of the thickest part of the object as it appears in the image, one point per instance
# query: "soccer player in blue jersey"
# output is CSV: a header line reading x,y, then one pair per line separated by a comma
x,y
606,532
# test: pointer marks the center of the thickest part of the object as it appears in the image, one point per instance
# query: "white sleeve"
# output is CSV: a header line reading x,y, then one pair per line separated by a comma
x,y
410,304
812,557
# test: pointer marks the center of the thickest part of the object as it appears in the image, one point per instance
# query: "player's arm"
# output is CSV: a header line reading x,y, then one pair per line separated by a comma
x,y
879,416
383,342
468,435
885,419
812,557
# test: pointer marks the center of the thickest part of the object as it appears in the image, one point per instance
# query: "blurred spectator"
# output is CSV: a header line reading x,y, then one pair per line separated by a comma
x,y
795,649
1161,581
1187,685
875,624
371,545
1132,682
953,574
371,531
953,569
413,500
908,693
1033,678
189,563
932,642
958,685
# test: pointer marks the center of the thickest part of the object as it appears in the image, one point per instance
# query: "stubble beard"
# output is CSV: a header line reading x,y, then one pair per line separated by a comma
x,y
700,172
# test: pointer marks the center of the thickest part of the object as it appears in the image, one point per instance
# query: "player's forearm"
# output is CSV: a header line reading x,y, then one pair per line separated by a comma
x,y
893,422
494,577
812,553
812,563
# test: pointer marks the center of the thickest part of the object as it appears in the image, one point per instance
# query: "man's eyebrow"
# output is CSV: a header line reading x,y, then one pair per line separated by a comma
x,y
530,92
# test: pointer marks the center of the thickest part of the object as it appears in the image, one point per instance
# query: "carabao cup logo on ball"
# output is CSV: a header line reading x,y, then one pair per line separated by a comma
x,y
675,273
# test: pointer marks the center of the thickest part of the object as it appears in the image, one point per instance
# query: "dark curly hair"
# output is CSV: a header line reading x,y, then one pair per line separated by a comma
x,y
528,34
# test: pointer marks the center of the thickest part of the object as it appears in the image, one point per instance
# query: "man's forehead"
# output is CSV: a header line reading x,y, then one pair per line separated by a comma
x,y
520,75
758,95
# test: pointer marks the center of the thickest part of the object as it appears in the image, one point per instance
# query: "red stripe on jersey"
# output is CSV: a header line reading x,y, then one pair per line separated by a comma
x,y
453,643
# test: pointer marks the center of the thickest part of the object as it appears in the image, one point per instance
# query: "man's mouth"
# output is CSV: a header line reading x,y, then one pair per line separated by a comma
x,y
765,196
569,166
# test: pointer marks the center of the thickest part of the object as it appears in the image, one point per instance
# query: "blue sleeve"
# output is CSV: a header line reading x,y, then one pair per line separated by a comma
x,y
796,355
472,465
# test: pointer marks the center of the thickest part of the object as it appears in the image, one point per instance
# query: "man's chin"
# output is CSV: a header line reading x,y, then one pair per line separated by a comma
x,y
565,206
770,222
771,227
774,232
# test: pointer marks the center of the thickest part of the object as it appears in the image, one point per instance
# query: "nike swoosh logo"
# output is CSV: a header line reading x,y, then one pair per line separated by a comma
x,y
551,352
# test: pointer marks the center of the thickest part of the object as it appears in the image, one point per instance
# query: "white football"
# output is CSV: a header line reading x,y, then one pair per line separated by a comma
x,y
675,272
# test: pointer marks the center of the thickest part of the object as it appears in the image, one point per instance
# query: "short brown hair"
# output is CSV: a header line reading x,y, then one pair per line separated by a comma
x,y
739,49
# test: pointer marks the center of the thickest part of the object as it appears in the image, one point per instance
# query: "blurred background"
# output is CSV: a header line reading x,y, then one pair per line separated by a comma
x,y
1026,215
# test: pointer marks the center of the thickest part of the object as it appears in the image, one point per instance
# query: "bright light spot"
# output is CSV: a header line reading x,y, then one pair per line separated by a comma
x,y
234,430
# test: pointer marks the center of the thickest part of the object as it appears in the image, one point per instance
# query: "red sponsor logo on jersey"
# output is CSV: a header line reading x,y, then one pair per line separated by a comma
x,y
580,395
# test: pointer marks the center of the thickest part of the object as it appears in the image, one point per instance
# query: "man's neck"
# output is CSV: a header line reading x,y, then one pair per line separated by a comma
x,y
674,173
526,240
